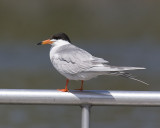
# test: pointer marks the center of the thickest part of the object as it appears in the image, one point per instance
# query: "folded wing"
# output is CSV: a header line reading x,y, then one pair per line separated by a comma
x,y
71,59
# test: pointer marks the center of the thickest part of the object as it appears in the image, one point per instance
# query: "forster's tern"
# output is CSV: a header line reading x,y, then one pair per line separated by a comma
x,y
77,64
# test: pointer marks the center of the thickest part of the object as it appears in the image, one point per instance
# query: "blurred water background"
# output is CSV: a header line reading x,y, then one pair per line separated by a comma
x,y
126,33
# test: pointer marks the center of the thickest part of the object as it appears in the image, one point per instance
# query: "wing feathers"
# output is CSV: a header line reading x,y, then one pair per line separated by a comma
x,y
72,59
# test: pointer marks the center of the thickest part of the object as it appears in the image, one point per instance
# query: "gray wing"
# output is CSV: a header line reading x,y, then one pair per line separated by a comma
x,y
72,59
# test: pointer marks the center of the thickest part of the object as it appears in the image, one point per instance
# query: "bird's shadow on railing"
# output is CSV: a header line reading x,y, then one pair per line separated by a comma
x,y
96,96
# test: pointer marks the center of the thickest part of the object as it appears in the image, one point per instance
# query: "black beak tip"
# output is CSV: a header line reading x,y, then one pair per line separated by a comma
x,y
40,43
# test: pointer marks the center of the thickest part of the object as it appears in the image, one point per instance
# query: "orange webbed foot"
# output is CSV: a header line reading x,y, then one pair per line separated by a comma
x,y
63,90
80,89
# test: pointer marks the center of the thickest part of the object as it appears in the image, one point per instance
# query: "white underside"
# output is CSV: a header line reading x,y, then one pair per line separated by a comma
x,y
81,76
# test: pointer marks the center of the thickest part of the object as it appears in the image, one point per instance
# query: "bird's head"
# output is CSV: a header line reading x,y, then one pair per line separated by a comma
x,y
56,37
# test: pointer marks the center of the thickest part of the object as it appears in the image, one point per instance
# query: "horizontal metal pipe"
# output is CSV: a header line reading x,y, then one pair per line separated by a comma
x,y
90,97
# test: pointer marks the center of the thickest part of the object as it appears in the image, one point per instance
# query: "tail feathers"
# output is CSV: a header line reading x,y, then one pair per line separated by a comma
x,y
128,75
112,68
125,68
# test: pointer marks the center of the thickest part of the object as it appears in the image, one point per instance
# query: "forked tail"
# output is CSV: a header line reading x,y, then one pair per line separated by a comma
x,y
130,76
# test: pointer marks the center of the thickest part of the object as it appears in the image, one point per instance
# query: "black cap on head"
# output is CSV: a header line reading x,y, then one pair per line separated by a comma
x,y
61,35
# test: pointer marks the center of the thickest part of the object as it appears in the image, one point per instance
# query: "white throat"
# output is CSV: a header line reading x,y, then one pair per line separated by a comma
x,y
59,43
55,46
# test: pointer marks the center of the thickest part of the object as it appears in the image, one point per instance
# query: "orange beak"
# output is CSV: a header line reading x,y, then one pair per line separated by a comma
x,y
45,42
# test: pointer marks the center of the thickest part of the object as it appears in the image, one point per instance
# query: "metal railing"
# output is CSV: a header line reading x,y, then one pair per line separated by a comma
x,y
85,99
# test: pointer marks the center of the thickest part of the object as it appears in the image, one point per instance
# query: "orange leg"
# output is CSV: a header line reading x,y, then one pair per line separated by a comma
x,y
81,89
66,89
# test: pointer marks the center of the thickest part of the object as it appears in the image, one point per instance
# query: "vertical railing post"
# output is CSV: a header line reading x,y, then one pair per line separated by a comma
x,y
85,116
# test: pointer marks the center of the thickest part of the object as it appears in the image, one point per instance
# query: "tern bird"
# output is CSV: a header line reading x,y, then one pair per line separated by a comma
x,y
77,64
